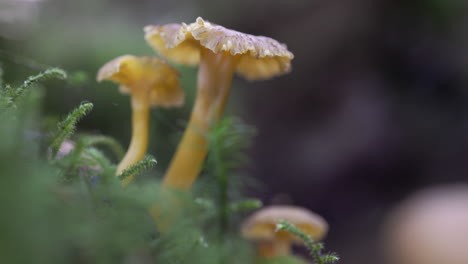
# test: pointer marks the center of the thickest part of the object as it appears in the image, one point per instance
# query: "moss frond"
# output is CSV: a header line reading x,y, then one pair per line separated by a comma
x,y
245,205
53,73
146,164
67,127
227,141
111,143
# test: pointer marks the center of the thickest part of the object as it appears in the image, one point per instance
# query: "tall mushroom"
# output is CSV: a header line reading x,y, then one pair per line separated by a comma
x,y
261,227
150,81
219,52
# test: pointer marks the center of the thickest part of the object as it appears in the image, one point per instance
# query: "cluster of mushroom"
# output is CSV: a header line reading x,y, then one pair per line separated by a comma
x,y
219,52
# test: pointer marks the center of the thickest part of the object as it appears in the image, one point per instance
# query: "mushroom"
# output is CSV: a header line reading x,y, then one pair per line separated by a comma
x,y
261,227
150,81
219,52
429,227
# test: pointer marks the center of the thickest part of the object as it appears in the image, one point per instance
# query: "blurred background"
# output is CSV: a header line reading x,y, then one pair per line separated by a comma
x,y
374,109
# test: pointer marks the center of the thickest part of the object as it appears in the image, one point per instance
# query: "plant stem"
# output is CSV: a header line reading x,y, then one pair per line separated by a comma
x,y
223,183
139,141
214,81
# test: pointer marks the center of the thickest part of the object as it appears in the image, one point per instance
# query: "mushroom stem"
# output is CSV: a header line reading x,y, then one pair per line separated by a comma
x,y
276,247
139,141
214,81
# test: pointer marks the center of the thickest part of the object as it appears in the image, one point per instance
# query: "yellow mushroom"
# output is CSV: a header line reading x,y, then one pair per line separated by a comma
x,y
219,52
150,81
261,227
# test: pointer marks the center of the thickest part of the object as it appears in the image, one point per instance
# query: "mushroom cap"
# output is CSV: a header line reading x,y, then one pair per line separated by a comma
x,y
262,224
145,72
260,57
430,227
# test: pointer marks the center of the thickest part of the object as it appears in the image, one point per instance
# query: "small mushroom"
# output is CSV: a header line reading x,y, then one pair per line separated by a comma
x,y
261,227
150,81
219,52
